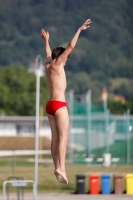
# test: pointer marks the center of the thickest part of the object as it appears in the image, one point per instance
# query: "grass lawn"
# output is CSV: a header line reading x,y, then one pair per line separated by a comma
x,y
47,180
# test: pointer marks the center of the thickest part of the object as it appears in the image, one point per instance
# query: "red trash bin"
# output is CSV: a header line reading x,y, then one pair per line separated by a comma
x,y
94,184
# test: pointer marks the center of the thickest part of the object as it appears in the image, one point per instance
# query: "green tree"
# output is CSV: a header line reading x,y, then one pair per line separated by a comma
x,y
18,91
116,107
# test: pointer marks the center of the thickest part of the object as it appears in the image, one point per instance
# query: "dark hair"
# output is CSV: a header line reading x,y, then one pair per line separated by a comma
x,y
57,51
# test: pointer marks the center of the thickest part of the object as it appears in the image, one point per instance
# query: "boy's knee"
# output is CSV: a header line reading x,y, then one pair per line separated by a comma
x,y
63,137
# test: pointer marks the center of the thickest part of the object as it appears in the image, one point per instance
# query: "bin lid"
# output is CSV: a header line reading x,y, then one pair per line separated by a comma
x,y
129,176
80,176
105,175
118,175
94,176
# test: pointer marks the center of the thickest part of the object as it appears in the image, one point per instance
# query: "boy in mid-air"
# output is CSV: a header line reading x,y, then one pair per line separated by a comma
x,y
56,106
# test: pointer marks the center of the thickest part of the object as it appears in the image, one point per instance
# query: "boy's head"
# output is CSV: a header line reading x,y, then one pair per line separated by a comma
x,y
57,51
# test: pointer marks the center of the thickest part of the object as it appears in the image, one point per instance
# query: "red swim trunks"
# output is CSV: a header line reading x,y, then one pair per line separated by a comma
x,y
53,106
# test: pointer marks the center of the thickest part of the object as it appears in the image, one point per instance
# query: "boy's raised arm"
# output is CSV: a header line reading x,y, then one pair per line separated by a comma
x,y
45,37
73,41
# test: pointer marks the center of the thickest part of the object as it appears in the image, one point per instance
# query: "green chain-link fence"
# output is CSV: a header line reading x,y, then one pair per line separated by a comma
x,y
95,131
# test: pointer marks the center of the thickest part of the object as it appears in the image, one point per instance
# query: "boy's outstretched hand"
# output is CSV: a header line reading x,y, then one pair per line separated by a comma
x,y
44,35
85,25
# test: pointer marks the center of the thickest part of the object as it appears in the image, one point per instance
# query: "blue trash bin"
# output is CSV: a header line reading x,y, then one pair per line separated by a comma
x,y
105,184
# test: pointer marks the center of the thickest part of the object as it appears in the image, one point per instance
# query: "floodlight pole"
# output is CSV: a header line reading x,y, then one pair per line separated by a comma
x,y
71,109
38,73
90,142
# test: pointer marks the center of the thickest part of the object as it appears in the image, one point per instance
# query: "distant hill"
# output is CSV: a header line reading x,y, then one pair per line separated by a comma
x,y
103,52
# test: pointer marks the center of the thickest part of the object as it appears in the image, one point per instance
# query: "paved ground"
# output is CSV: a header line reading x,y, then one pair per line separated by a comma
x,y
62,196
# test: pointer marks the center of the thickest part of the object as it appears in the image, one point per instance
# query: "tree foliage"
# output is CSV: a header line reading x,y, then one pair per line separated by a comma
x,y
104,52
107,45
117,107
18,91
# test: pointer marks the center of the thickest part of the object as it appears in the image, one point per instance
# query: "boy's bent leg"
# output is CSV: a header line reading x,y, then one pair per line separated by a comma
x,y
55,139
62,122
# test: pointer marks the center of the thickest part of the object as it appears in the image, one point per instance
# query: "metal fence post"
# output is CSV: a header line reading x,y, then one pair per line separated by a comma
x,y
71,94
128,137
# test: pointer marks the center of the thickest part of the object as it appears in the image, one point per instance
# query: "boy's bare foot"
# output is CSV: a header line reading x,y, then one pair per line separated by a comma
x,y
61,176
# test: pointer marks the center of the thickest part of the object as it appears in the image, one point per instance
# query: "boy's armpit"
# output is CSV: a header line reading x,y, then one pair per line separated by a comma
x,y
48,60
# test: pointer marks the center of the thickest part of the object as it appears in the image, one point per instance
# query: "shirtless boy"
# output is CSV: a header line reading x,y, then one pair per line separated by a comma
x,y
56,106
